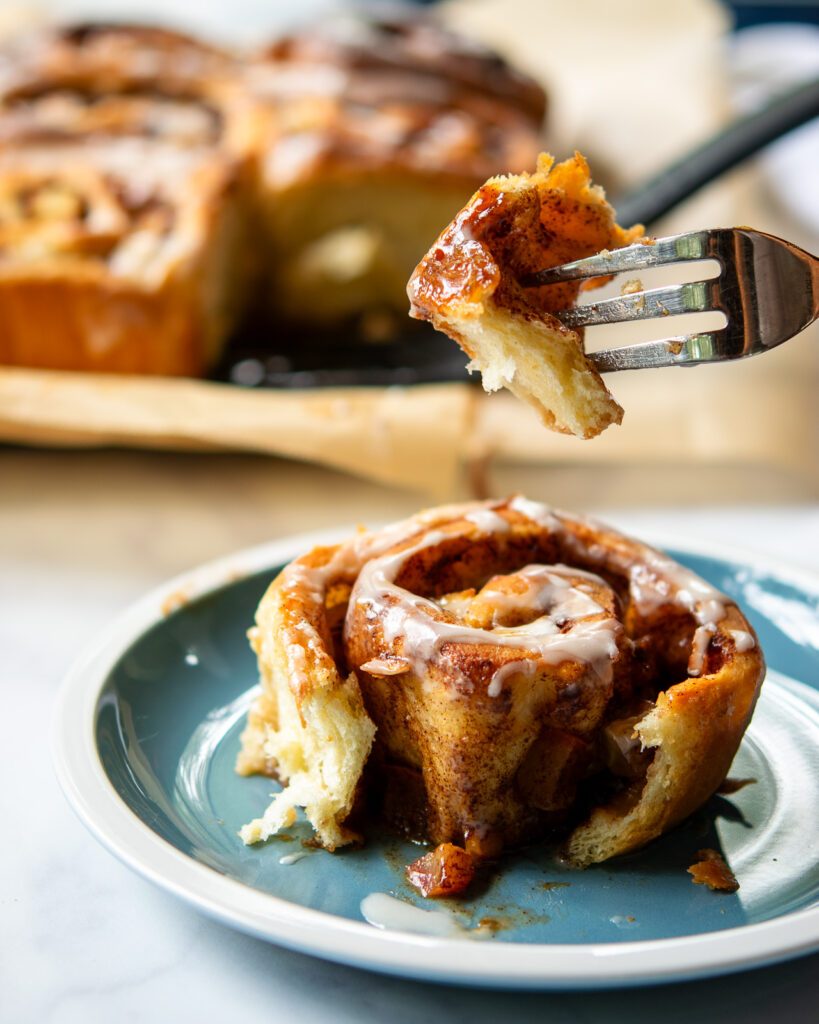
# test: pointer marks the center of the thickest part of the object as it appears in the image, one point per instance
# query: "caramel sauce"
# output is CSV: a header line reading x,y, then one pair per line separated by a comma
x,y
511,229
711,870
445,871
459,266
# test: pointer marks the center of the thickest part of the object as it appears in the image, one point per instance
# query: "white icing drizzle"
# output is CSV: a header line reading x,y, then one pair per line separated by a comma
x,y
416,620
547,587
743,640
488,520
655,582
651,582
348,558
699,647
293,858
537,512
512,668
384,911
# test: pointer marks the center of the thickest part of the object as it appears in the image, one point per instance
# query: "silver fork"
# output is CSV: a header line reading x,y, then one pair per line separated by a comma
x,y
767,288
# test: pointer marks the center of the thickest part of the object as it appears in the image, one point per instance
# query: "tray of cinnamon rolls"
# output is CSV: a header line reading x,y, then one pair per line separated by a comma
x,y
171,208
207,248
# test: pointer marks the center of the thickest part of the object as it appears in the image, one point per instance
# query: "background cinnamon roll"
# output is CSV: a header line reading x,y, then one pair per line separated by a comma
x,y
493,672
372,133
112,257
121,218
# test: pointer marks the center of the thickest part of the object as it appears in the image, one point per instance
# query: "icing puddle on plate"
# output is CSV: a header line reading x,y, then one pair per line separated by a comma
x,y
384,911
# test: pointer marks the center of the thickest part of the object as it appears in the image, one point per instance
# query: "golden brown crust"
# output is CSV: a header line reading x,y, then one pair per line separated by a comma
x,y
501,681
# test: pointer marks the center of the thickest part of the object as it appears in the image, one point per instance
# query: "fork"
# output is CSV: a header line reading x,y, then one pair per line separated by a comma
x,y
767,288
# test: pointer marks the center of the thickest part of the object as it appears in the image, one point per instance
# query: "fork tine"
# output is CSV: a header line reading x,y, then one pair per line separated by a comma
x,y
684,350
696,297
694,245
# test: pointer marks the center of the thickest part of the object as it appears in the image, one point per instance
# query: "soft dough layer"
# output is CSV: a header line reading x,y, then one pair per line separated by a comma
x,y
493,671
468,286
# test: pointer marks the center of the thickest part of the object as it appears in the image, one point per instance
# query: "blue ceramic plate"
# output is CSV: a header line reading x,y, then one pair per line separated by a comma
x,y
147,732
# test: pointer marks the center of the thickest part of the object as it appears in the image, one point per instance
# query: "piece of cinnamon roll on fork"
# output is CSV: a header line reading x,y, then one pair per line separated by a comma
x,y
472,285
493,673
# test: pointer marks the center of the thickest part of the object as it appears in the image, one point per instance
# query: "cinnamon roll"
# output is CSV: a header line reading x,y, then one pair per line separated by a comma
x,y
487,674
373,131
120,217
111,256
469,286
113,80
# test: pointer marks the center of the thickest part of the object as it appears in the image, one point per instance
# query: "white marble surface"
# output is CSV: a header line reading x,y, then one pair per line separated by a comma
x,y
82,939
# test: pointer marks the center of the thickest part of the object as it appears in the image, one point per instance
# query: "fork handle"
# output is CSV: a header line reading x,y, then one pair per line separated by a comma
x,y
720,153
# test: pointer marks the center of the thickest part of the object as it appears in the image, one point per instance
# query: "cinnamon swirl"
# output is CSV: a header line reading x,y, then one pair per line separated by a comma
x,y
468,286
114,80
485,674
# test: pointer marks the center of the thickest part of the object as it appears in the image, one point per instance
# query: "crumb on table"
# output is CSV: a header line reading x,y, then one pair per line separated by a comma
x,y
174,601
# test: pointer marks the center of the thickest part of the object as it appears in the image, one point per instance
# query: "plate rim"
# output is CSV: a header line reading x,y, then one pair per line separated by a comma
x,y
543,966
